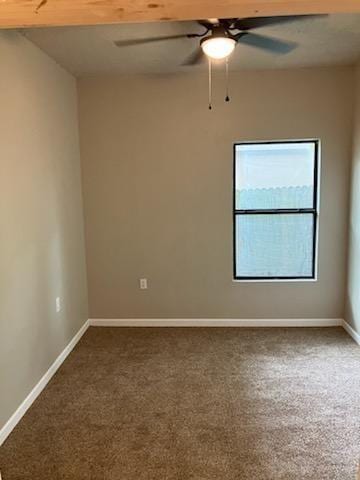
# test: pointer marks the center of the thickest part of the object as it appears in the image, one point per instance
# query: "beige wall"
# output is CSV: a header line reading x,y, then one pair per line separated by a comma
x,y
157,180
353,287
41,223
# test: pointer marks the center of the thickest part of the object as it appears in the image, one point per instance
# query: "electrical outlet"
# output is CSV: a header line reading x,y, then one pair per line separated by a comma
x,y
143,284
57,306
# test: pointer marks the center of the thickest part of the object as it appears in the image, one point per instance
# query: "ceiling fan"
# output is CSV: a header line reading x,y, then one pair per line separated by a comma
x,y
221,36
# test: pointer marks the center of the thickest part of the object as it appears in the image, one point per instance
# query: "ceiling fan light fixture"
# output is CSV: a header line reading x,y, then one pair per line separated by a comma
x,y
217,47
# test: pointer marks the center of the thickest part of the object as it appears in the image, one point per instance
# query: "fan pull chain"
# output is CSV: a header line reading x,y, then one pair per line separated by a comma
x,y
210,84
227,97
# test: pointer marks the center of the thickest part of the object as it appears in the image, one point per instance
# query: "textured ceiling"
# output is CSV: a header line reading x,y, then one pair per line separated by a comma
x,y
330,40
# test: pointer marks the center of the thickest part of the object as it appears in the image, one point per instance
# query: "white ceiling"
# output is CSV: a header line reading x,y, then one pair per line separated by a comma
x,y
330,40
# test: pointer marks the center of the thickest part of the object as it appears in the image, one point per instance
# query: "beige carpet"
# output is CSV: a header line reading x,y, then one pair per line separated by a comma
x,y
201,404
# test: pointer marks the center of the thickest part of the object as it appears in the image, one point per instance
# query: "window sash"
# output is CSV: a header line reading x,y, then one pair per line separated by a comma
x,y
288,277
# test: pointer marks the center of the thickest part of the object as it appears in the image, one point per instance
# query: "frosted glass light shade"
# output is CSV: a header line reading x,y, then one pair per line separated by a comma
x,y
218,47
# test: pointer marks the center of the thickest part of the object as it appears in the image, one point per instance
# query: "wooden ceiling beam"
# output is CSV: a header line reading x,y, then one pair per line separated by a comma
x,y
47,13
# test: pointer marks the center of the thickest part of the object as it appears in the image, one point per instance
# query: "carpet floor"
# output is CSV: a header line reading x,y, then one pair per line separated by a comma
x,y
195,404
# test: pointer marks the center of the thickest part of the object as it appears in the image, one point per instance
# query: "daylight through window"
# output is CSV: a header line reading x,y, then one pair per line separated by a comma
x,y
275,210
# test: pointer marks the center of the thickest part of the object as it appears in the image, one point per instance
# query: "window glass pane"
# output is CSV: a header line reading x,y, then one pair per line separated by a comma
x,y
279,245
277,175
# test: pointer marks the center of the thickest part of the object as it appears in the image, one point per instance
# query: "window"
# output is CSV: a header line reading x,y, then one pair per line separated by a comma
x,y
275,210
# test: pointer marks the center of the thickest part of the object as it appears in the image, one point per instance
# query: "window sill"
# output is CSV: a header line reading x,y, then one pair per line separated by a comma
x,y
276,280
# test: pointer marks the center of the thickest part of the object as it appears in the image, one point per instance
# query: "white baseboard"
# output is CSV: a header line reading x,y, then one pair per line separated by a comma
x,y
215,322
39,387
351,331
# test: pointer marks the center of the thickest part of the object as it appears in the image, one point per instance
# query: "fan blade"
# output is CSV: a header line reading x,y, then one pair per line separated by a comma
x,y
256,22
266,43
141,41
196,57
